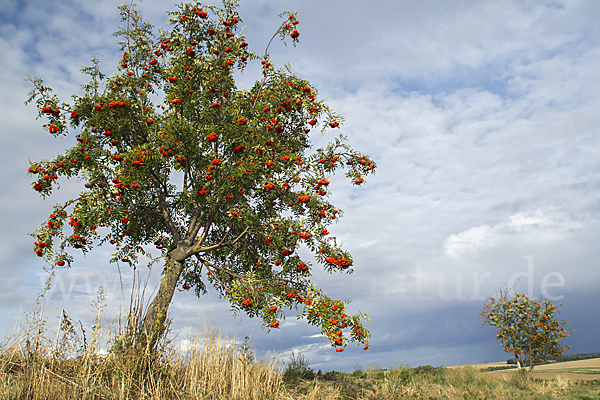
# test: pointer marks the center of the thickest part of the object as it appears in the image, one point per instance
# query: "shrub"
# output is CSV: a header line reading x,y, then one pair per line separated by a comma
x,y
297,368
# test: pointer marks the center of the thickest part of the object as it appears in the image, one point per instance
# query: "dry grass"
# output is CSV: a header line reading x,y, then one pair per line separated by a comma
x,y
442,383
65,365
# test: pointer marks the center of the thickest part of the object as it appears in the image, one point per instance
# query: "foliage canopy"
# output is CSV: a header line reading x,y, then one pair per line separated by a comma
x,y
214,176
526,328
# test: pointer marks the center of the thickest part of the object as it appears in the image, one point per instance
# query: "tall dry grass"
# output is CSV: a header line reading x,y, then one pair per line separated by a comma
x,y
40,363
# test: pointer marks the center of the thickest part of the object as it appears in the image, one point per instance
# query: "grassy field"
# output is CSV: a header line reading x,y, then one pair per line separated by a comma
x,y
43,363
573,370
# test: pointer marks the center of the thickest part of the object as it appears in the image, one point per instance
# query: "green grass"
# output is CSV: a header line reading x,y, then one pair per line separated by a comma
x,y
442,383
591,371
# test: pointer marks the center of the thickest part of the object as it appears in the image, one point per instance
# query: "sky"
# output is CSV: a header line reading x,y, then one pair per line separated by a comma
x,y
482,117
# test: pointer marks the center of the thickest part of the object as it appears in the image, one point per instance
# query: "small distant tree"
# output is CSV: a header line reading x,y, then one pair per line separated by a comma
x,y
526,329
214,176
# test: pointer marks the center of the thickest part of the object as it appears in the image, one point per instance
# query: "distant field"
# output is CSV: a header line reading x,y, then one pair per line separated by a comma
x,y
575,370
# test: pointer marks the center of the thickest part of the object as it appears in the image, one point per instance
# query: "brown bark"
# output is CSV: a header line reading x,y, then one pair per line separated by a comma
x,y
154,324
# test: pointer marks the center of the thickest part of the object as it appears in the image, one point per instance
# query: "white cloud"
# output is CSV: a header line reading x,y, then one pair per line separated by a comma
x,y
545,225
468,240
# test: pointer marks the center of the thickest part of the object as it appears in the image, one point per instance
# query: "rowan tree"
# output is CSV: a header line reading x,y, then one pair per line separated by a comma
x,y
526,328
222,180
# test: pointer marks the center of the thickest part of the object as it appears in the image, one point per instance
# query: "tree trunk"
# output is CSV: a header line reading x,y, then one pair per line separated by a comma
x,y
154,326
520,364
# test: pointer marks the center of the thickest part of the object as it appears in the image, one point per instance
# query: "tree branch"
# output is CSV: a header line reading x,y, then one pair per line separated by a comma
x,y
212,273
165,214
195,224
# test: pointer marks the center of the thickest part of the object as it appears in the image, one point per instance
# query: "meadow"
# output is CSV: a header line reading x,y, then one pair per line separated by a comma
x,y
39,362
